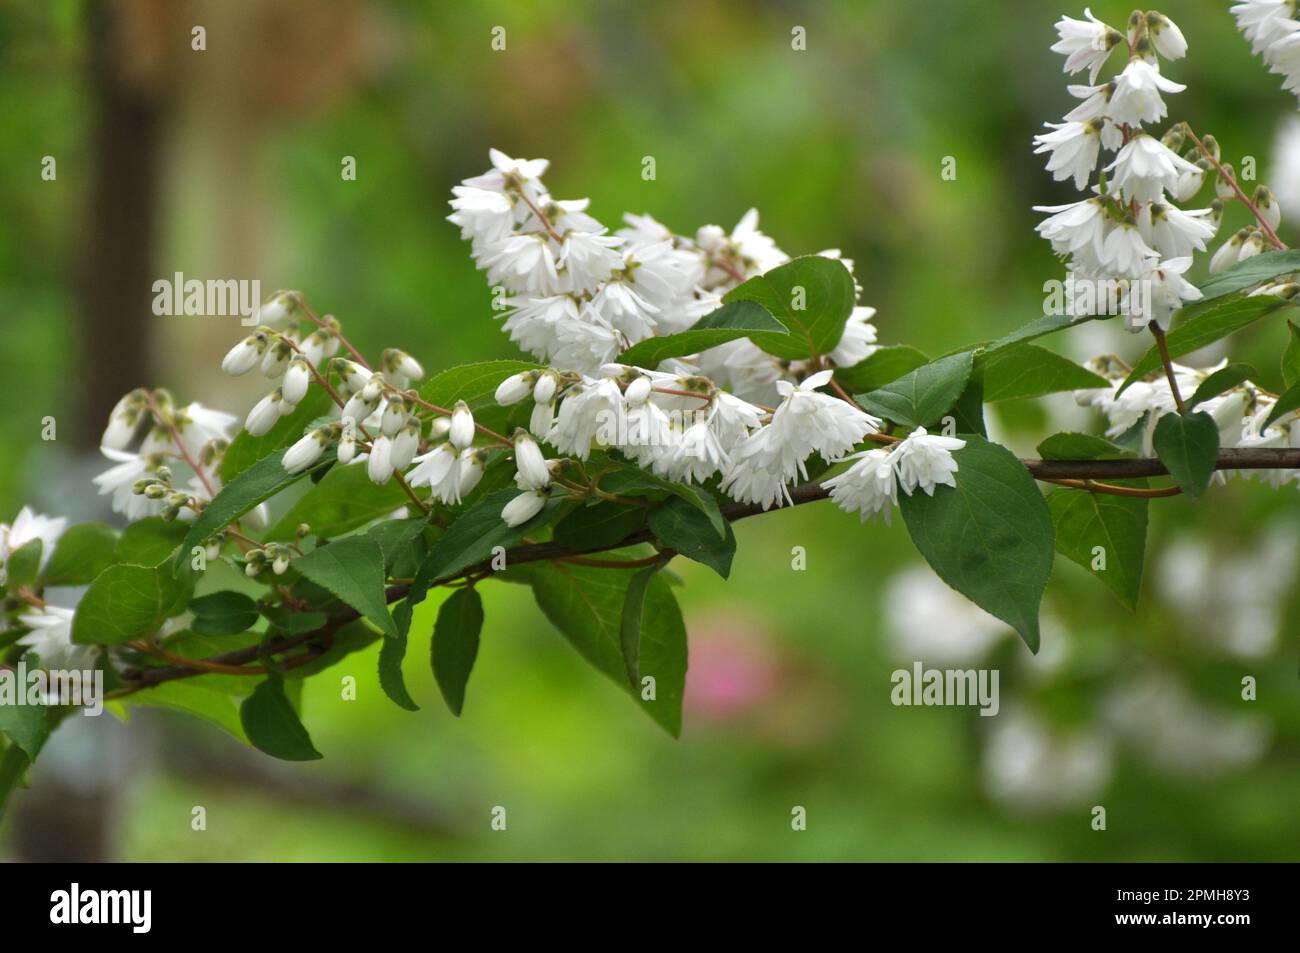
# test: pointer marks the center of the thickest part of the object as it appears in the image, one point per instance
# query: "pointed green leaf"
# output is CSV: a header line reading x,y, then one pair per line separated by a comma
x,y
1189,447
223,613
1027,370
811,296
81,554
739,319
629,630
682,527
880,367
455,644
990,536
353,570
342,501
272,725
1222,380
391,653
922,396
128,602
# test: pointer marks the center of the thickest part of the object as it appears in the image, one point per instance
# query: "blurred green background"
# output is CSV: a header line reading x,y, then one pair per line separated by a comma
x,y
226,163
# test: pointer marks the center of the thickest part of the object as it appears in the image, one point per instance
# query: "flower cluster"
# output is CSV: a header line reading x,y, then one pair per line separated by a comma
x,y
870,486
1242,413
1274,34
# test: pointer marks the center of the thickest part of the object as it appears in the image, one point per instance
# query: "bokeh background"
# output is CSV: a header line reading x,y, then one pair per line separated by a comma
x,y
226,163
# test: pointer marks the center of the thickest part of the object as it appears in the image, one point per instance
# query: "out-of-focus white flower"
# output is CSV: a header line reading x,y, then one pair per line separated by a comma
x,y
27,526
50,639
1167,38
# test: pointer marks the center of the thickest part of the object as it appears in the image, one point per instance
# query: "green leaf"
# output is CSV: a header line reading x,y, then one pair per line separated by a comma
x,y
1188,446
455,645
195,697
1204,326
1027,370
968,412
629,630
1085,521
342,501
739,319
272,725
257,483
880,367
245,449
1247,274
682,527
403,544
23,564
599,525
1080,446
1286,403
471,539
353,570
990,536
628,480
476,384
824,288
149,541
586,605
128,602
81,554
1039,327
391,653
921,396
223,613
27,726
1291,356
1224,379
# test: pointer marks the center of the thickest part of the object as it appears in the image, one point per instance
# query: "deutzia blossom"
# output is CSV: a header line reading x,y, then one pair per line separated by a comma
x,y
1173,232
119,480
50,639
523,507
1169,290
1073,148
438,469
28,526
925,460
1086,44
1136,98
868,487
1145,167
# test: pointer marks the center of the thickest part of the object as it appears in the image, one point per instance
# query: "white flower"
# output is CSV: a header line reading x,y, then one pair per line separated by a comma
x,y
523,507
1264,22
1136,98
1168,39
696,457
857,343
757,250
305,452
757,473
544,389
352,376
1074,228
533,472
1169,291
1173,232
27,526
1074,147
638,391
541,420
470,465
263,415
347,445
1145,167
296,379
925,460
1188,184
868,487
582,412
1086,44
432,468
124,421
523,262
484,215
1125,252
276,359
808,421
282,306
514,388
50,639
241,358
461,434
120,480
379,466
589,258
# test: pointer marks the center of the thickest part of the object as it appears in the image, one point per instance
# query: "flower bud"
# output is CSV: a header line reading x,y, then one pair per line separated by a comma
x,y
124,420
402,364
438,427
352,376
1266,204
281,306
313,347
514,388
472,464
155,491
305,452
461,433
347,445
540,421
523,507
529,462
394,416
638,391
276,359
241,358
280,563
544,390
296,379
358,407
405,444
1222,188
379,467
263,415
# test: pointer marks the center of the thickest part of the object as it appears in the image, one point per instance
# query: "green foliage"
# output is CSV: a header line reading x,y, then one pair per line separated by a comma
x,y
272,725
686,529
128,602
811,296
1291,356
391,653
1188,445
353,570
922,396
990,537
149,541
23,564
455,644
1222,380
627,480
1286,402
476,385
342,501
599,524
223,613
246,450
586,605
28,726
81,554
880,367
630,625
739,319
1027,370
